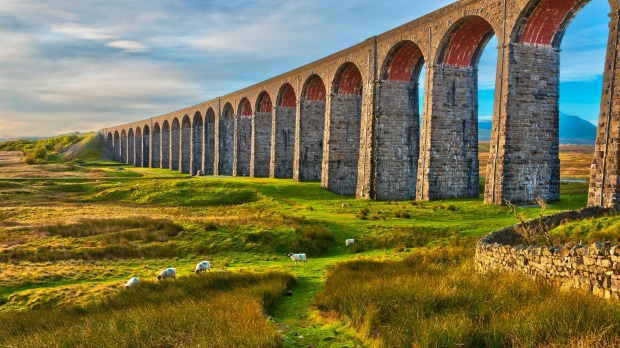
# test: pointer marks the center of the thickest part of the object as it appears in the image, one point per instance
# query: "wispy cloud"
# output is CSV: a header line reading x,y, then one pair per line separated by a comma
x,y
128,46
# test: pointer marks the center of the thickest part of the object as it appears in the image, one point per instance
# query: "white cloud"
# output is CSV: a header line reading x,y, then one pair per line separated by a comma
x,y
81,32
128,46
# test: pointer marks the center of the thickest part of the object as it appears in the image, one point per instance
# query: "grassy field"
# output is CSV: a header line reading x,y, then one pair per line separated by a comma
x,y
72,233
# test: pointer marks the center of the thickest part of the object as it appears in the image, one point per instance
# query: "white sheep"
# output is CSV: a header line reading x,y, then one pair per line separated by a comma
x,y
131,282
344,205
167,273
203,266
119,183
154,180
298,257
97,181
349,242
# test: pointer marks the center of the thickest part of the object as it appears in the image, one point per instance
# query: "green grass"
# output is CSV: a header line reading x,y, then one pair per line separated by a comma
x,y
603,229
75,241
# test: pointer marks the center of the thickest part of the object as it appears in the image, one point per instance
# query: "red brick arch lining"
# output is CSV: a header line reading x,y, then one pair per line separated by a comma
x,y
245,108
348,80
466,41
287,96
264,103
545,21
403,62
138,132
315,89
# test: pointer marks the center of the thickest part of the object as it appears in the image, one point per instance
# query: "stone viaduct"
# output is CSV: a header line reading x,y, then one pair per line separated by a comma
x,y
351,120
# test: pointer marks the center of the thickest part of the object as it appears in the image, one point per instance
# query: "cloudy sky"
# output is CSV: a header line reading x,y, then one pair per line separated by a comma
x,y
70,65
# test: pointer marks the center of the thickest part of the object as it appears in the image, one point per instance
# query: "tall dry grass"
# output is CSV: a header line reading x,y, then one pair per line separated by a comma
x,y
436,299
217,310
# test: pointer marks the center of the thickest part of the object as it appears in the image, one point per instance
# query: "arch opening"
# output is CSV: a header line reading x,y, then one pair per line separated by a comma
x,y
342,150
244,138
131,149
226,140
283,137
109,145
165,145
312,107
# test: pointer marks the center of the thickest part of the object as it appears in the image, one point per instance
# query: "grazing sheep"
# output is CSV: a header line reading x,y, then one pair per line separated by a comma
x,y
131,282
97,181
203,266
167,273
137,185
119,183
349,242
154,180
344,205
298,257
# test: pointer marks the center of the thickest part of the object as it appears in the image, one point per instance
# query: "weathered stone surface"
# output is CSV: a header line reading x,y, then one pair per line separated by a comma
x,y
261,144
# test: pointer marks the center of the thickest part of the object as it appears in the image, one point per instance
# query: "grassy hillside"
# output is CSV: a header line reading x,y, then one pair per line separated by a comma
x,y
72,235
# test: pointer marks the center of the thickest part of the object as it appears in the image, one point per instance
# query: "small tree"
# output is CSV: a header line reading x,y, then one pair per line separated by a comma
x,y
531,233
40,152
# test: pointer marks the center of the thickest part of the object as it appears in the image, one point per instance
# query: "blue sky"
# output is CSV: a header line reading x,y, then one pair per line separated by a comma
x,y
79,66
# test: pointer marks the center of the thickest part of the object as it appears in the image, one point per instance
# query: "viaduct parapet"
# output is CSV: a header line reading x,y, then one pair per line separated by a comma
x,y
351,120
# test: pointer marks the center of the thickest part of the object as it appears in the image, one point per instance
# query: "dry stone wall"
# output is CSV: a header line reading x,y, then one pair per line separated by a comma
x,y
594,268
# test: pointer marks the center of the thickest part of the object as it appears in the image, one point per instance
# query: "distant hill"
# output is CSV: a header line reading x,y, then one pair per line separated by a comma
x,y
573,130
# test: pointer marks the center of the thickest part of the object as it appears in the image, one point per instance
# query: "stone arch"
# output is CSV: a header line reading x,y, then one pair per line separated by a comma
x,y
464,42
165,145
138,147
243,128
146,146
283,133
544,22
449,165
397,141
209,142
226,140
156,149
197,145
310,129
342,139
131,147
261,136
117,147
123,152
528,167
186,145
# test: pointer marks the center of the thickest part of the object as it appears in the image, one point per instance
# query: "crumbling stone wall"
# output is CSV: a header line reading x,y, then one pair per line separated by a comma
x,y
594,268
